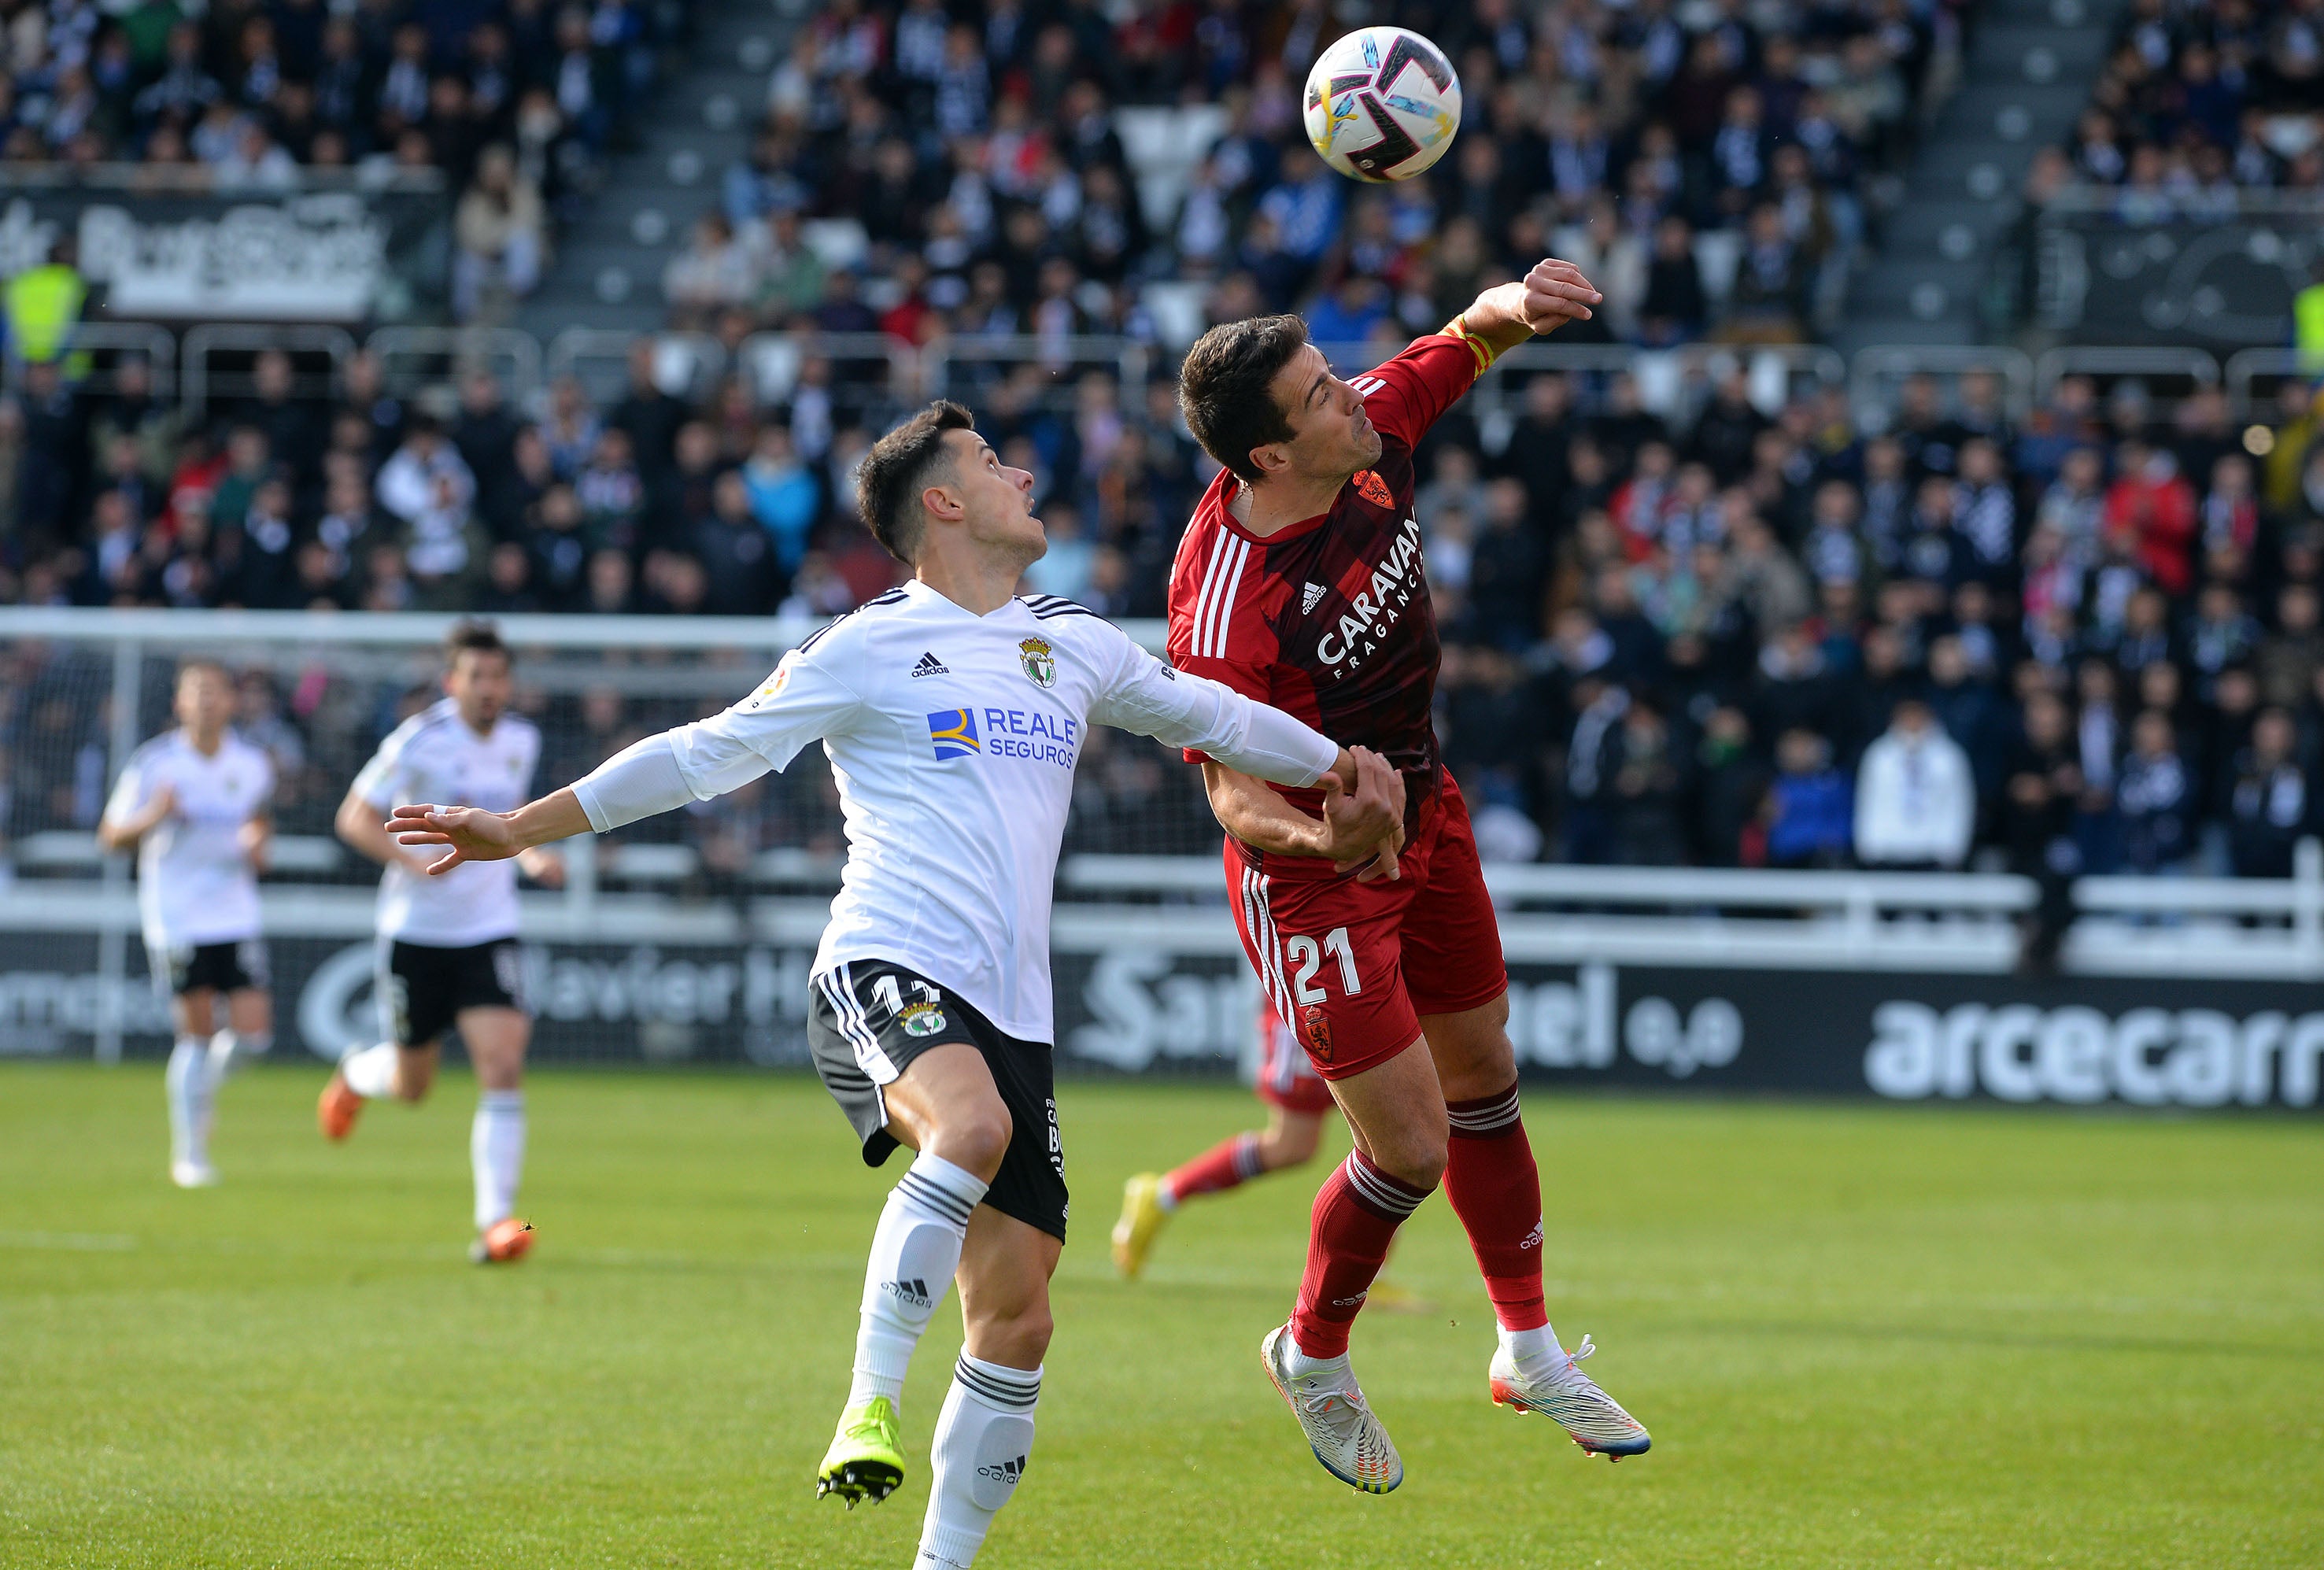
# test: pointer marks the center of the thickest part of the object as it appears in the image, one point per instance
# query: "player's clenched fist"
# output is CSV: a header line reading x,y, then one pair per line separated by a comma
x,y
1555,292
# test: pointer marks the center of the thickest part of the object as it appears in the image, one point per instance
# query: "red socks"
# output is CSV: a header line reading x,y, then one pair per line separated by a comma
x,y
1357,1212
1496,1191
1225,1165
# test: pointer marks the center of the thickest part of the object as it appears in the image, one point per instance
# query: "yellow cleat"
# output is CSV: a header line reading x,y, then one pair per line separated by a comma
x,y
865,1460
1142,1216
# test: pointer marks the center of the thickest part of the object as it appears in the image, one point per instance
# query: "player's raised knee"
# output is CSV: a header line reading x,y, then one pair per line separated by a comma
x,y
975,1137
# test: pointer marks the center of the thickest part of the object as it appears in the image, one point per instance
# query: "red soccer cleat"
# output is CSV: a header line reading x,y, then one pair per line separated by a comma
x,y
336,1108
504,1243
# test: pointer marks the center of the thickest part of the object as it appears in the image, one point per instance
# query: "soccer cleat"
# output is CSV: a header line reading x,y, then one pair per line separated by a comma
x,y
1349,1441
866,1459
504,1243
1142,1216
1595,1419
336,1108
193,1175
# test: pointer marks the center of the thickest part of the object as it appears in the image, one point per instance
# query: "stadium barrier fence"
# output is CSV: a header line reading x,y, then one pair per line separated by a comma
x,y
689,939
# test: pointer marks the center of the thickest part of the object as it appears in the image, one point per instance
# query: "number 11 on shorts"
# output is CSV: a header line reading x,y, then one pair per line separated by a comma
x,y
1303,953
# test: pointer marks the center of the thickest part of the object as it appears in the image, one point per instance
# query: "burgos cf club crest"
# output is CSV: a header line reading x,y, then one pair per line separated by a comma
x,y
920,1018
952,733
1373,489
1040,662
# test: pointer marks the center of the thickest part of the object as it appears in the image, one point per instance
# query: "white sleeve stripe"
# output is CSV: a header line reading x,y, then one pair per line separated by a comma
x,y
1224,579
1210,587
1367,385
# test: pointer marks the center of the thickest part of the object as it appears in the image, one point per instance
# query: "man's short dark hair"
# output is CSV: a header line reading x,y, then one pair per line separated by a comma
x,y
1223,388
473,638
899,466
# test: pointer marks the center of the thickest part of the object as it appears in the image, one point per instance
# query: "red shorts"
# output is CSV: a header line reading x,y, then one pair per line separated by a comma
x,y
1352,966
1286,1078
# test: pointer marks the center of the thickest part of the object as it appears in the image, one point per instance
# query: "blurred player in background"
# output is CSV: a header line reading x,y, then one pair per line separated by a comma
x,y
1299,582
448,957
953,715
196,801
1298,1100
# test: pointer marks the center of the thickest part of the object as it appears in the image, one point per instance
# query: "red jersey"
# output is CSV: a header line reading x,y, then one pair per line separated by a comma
x,y
1330,620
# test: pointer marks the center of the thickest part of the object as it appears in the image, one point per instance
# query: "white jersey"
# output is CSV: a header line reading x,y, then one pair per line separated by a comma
x,y
954,738
434,757
195,883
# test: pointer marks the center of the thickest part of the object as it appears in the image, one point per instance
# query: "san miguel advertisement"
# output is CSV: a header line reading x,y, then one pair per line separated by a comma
x,y
1143,1010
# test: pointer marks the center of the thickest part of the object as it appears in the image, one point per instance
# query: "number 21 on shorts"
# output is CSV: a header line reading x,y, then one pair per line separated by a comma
x,y
1303,952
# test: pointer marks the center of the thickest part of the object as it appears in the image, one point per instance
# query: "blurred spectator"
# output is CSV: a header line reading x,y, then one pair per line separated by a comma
x,y
1810,805
499,231
1915,797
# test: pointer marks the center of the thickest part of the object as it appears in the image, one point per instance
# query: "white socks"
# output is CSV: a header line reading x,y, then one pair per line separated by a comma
x,y
1533,1349
370,1072
915,1249
229,1051
980,1450
190,1090
496,1152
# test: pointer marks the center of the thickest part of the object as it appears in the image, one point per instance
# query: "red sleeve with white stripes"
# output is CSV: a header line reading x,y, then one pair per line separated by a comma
x,y
1412,391
1213,577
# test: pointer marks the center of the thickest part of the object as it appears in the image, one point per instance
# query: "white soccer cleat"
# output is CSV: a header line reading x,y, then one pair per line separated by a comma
x,y
1351,1444
1595,1419
193,1175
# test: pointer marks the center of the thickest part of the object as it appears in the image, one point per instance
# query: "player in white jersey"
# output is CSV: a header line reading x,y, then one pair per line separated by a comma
x,y
954,715
196,802
447,946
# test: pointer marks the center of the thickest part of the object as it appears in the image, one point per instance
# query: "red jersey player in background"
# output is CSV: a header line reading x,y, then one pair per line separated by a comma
x,y
1299,582
1297,1101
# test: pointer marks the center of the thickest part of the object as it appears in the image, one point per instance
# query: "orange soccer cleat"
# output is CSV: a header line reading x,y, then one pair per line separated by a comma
x,y
504,1243
336,1108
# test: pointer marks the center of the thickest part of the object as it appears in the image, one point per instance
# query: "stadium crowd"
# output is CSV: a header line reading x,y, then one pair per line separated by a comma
x,y
2088,638
514,102
1707,164
2198,100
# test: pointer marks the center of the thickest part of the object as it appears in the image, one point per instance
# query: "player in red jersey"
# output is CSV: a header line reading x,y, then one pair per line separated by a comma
x,y
1299,582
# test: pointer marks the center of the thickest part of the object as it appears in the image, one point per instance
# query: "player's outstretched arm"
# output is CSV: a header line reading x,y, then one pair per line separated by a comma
x,y
1544,300
473,835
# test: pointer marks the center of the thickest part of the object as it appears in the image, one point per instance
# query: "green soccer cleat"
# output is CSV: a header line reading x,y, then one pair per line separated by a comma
x,y
866,1458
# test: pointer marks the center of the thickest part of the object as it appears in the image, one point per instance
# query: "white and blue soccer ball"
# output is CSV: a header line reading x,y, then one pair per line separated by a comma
x,y
1382,103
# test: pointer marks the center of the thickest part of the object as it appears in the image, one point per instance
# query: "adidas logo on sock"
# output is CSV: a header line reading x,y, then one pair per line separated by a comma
x,y
1351,1302
1008,1472
930,665
914,1292
1533,1238
1310,596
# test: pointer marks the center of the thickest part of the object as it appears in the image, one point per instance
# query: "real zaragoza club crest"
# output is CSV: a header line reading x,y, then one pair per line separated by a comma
x,y
1040,662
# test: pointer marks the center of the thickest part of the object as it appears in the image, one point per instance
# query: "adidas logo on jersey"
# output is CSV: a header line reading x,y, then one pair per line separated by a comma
x,y
1007,1472
914,1292
1310,598
930,665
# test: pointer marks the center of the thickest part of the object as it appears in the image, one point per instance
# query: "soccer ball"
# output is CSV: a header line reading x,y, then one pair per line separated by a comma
x,y
1382,103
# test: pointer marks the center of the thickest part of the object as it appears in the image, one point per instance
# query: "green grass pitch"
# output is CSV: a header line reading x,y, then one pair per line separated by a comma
x,y
1861,1337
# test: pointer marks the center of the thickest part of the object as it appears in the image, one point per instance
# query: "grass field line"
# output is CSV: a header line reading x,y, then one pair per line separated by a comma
x,y
80,1242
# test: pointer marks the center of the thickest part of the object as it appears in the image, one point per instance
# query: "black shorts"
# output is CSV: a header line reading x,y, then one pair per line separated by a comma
x,y
422,990
869,1018
226,967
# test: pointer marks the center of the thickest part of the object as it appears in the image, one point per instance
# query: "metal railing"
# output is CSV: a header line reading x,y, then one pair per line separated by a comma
x,y
205,343
411,358
2248,367
2193,366
1879,368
